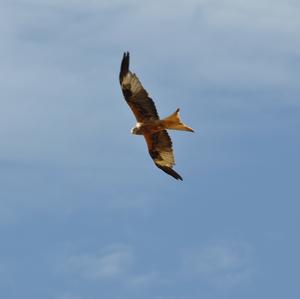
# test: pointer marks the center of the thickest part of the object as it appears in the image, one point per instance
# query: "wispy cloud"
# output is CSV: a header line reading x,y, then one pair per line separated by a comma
x,y
221,264
115,263
111,263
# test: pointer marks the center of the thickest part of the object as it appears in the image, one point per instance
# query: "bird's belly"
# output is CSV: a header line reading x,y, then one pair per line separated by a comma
x,y
151,127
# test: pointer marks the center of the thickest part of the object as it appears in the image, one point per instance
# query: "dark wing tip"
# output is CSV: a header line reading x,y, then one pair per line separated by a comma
x,y
124,66
170,171
126,55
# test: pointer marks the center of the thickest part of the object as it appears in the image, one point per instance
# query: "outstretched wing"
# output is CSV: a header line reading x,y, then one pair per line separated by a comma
x,y
135,95
160,149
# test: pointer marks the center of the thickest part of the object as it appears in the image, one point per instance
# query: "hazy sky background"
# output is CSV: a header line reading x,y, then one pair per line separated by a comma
x,y
85,214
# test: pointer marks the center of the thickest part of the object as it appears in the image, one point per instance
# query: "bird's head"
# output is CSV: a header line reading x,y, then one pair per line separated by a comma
x,y
134,131
137,130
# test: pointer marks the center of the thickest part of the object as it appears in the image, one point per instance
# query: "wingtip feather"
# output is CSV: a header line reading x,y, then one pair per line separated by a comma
x,y
170,171
124,66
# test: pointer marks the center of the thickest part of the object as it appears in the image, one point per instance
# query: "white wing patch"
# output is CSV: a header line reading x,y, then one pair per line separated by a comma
x,y
167,159
132,81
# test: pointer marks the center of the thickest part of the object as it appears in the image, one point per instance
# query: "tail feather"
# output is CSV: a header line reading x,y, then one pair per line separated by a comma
x,y
173,122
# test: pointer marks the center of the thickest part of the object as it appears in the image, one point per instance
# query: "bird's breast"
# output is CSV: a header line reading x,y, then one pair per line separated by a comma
x,y
149,127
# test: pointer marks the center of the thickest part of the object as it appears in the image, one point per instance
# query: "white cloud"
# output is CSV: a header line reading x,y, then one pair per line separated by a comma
x,y
111,263
222,265
114,263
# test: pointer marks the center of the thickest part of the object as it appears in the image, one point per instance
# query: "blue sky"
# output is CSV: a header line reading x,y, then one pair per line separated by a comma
x,y
85,214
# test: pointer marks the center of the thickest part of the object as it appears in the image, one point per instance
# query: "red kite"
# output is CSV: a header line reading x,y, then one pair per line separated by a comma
x,y
149,124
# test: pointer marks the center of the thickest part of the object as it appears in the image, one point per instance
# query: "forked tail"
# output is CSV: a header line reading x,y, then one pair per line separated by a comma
x,y
173,122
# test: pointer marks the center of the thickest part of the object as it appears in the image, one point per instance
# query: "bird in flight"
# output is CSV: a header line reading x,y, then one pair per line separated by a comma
x,y
149,124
